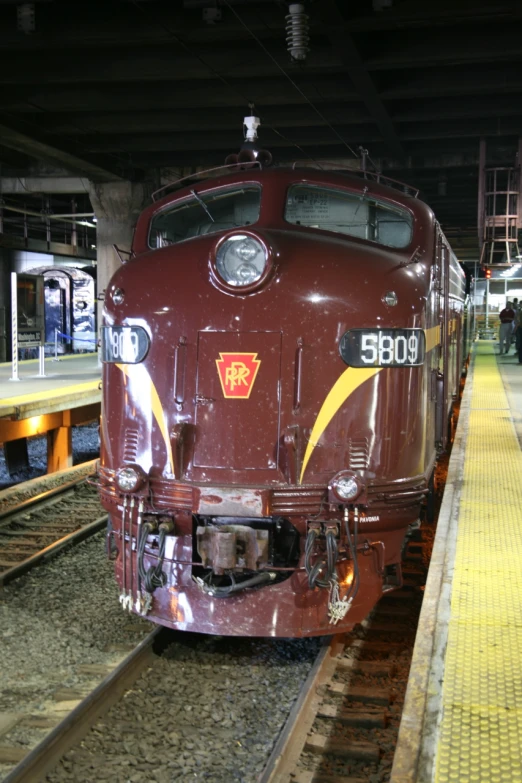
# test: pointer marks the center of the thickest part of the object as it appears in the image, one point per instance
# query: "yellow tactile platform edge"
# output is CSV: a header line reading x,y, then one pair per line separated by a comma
x,y
53,394
63,358
480,739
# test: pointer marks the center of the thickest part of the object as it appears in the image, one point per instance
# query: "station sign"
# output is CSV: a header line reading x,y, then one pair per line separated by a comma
x,y
29,338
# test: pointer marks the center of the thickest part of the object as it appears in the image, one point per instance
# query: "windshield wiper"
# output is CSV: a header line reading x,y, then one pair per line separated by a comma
x,y
200,201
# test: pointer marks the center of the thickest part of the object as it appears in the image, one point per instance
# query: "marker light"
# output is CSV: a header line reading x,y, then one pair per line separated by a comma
x,y
390,298
117,296
129,478
241,260
346,486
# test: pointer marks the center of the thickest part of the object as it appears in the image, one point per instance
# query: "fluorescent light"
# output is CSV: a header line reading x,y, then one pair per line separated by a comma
x,y
510,272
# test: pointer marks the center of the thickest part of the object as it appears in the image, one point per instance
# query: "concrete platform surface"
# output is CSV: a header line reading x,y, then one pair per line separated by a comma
x,y
69,382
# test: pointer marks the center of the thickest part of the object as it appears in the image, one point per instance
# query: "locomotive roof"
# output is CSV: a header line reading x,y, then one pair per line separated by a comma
x,y
276,181
376,184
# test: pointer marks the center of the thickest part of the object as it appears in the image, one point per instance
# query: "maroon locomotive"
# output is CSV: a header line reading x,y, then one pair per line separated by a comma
x,y
281,354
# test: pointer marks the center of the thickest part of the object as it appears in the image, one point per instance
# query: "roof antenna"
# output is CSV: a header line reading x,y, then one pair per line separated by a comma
x,y
250,125
363,157
250,152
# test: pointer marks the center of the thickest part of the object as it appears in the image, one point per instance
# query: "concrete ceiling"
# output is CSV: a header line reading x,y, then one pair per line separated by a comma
x,y
122,88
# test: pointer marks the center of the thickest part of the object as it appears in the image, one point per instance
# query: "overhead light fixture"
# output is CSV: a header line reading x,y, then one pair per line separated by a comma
x,y
212,15
25,18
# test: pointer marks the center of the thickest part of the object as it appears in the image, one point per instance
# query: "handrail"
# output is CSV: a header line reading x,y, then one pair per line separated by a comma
x,y
236,166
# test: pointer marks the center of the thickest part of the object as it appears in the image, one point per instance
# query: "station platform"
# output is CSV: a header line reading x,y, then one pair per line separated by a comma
x,y
462,717
69,395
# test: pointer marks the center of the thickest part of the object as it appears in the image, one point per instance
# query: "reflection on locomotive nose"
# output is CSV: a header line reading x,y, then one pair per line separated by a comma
x,y
179,607
347,579
316,298
274,620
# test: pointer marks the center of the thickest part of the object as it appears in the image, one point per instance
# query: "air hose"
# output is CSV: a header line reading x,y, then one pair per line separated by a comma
x,y
352,543
322,572
234,587
154,576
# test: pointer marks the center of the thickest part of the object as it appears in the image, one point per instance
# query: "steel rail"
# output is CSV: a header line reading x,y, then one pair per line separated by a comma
x,y
293,735
73,728
71,538
46,495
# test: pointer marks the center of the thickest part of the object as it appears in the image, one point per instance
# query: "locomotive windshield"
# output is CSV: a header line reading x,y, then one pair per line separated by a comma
x,y
348,213
205,213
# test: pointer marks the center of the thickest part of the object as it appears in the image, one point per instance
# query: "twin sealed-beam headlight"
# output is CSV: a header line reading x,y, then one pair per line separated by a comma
x,y
241,260
346,486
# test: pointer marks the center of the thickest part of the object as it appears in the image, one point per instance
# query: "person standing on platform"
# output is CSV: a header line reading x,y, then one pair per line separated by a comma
x,y
518,325
507,317
513,333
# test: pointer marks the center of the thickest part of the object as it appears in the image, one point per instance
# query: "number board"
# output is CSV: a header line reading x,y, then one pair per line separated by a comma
x,y
125,344
383,347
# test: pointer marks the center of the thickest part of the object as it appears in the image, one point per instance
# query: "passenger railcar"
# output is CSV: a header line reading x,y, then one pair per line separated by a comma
x,y
281,354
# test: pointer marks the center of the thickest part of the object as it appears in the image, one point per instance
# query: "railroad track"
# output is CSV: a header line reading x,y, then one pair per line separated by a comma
x,y
341,729
38,527
34,765
344,725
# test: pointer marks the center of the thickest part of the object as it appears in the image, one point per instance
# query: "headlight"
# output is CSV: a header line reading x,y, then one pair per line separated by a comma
x,y
241,260
129,479
346,486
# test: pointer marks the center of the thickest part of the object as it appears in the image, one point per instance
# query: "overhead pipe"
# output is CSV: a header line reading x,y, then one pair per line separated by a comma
x,y
61,218
43,184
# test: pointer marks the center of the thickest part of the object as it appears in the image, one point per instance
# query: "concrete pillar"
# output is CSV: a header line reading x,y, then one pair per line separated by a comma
x,y
117,206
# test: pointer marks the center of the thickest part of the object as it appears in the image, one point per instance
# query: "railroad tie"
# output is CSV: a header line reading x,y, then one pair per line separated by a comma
x,y
353,717
12,754
375,668
317,777
367,646
369,695
356,749
8,720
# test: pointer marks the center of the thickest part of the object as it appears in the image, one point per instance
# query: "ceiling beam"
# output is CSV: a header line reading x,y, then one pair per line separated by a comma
x,y
130,141
412,14
19,142
26,185
346,51
421,82
229,118
440,46
280,116
37,97
168,63
111,23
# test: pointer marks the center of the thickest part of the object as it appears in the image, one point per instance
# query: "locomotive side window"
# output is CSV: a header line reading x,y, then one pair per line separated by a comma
x,y
205,213
348,213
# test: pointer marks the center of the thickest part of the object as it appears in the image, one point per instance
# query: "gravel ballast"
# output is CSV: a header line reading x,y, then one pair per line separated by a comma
x,y
210,709
58,617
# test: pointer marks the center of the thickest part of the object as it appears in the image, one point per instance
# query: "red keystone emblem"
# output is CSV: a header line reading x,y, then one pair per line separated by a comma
x,y
237,373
